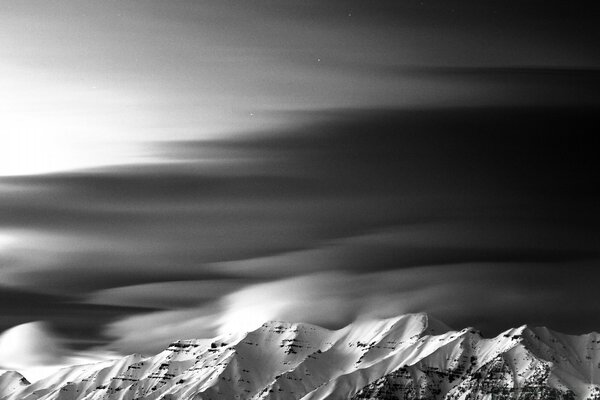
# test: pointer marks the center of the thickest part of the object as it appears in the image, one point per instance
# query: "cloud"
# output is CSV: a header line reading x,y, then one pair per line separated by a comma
x,y
159,329
347,192
78,324
35,351
29,344
294,299
490,296
167,295
440,242
458,294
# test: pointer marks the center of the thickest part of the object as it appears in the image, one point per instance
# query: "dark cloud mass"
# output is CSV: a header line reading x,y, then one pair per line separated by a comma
x,y
368,160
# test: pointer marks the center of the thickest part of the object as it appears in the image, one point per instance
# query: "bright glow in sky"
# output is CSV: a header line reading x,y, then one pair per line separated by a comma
x,y
74,75
5,240
51,126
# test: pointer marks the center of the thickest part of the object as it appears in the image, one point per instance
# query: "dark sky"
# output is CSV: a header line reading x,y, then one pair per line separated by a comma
x,y
179,169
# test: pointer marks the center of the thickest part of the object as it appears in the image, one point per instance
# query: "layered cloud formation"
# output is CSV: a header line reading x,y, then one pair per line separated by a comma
x,y
481,216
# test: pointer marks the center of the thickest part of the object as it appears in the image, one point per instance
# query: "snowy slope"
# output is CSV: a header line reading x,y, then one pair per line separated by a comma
x,y
11,381
408,357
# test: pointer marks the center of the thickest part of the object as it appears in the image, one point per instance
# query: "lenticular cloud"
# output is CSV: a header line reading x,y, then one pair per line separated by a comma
x,y
28,345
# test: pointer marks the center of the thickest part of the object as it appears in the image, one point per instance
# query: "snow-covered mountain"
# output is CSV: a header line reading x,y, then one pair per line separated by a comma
x,y
408,357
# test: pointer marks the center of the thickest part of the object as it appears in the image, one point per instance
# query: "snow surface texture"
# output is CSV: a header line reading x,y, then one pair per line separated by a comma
x,y
408,357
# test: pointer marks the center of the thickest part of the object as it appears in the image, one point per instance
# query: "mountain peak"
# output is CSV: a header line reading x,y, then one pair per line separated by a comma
x,y
412,356
11,381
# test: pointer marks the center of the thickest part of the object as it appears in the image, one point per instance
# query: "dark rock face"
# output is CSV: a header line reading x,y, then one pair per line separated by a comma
x,y
399,385
493,381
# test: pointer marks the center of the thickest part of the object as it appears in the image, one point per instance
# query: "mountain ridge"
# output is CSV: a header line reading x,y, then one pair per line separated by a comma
x,y
412,356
